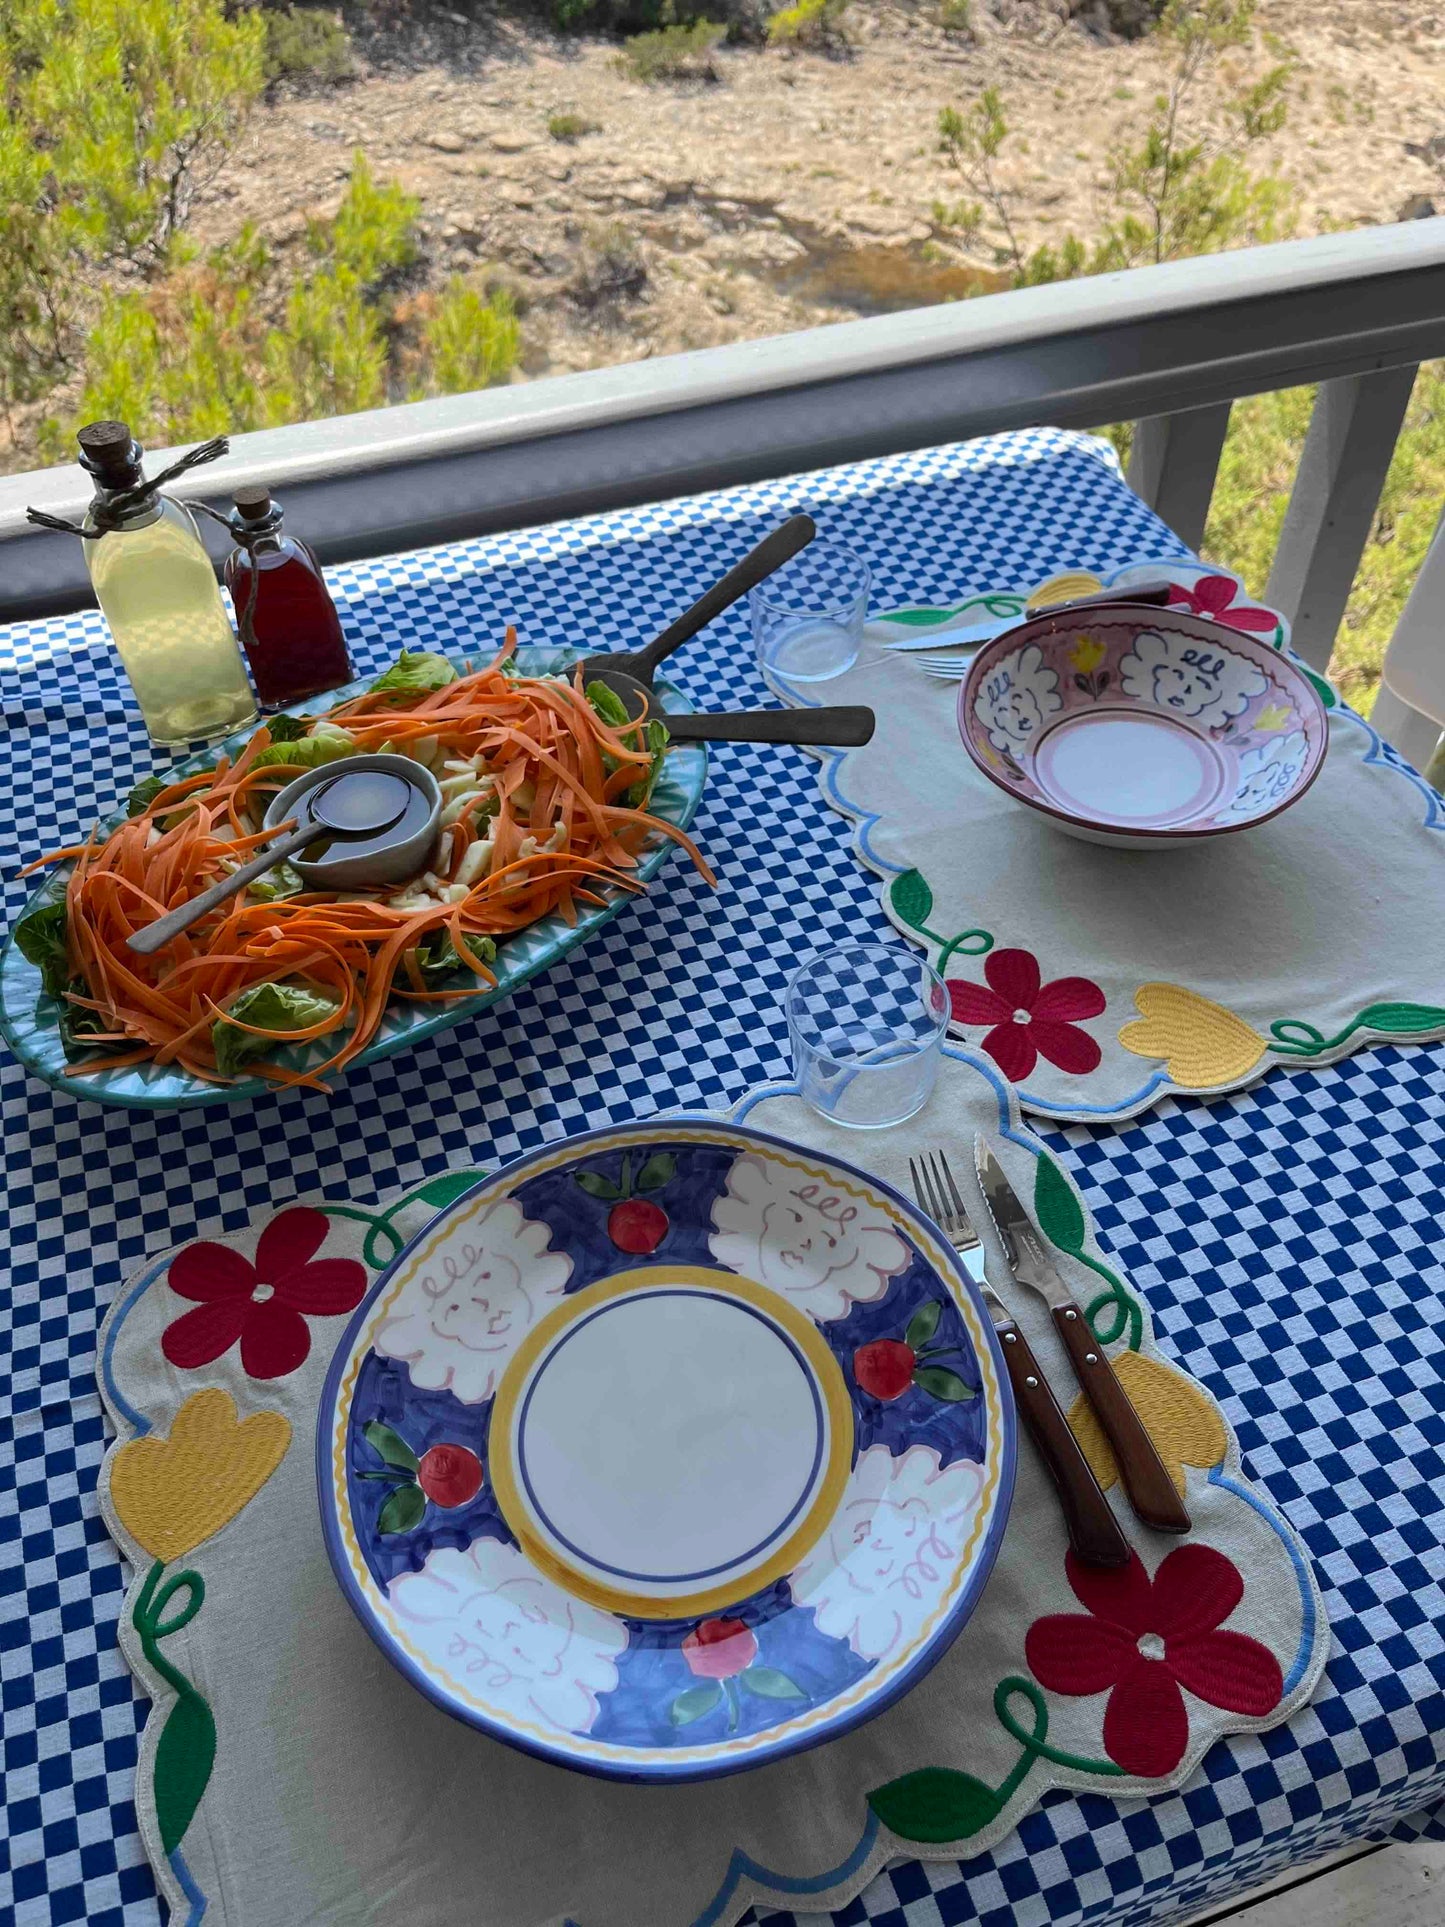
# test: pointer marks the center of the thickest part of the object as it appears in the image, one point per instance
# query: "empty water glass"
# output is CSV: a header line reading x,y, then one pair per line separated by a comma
x,y
808,616
867,1023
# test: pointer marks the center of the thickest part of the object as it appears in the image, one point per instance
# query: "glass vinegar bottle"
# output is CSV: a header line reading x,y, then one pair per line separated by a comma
x,y
157,589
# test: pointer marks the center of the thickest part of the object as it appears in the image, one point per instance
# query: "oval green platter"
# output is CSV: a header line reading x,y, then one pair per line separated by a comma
x,y
28,1019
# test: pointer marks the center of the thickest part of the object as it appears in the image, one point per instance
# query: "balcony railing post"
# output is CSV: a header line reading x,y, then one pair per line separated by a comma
x,y
1352,436
1410,708
1173,463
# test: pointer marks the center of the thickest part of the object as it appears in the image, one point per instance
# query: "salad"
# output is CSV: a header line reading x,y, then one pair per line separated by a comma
x,y
545,788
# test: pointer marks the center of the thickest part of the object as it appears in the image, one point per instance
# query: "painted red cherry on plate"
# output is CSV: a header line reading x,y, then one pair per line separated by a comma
x,y
450,1475
637,1225
884,1367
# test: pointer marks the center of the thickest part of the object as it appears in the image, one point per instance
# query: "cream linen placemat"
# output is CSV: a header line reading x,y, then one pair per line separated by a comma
x,y
289,1773
1137,974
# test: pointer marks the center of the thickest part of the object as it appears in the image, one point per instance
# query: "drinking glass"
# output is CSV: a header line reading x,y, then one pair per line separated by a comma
x,y
808,616
867,1024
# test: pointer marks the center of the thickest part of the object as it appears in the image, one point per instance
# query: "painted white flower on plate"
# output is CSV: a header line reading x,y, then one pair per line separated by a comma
x,y
1269,773
799,1235
1017,699
879,1572
459,1318
494,1627
1202,680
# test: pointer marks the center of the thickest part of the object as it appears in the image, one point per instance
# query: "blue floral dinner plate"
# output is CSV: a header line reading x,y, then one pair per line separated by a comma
x,y
29,1020
670,1450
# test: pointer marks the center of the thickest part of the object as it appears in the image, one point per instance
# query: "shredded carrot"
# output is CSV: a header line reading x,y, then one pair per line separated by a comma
x,y
557,834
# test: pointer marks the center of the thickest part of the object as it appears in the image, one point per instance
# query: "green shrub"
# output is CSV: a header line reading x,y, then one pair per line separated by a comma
x,y
956,16
571,127
673,53
305,43
471,341
108,111
373,235
810,23
194,354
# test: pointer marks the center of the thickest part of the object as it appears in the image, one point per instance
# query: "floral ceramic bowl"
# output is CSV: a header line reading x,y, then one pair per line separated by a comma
x,y
1142,728
668,1451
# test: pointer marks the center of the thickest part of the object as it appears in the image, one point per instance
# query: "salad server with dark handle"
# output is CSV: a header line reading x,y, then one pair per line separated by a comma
x,y
770,554
843,726
1151,1491
1094,1533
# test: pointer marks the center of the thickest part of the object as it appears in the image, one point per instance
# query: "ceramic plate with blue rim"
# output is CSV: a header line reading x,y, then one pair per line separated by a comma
x,y
668,1451
29,1020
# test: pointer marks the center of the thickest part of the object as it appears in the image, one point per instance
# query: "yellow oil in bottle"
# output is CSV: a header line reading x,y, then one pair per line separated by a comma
x,y
154,582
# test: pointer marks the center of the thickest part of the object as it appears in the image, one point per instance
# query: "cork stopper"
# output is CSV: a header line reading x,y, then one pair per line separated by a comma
x,y
253,502
110,453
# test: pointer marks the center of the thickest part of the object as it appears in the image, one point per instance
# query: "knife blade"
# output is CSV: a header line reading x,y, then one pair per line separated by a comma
x,y
1150,1490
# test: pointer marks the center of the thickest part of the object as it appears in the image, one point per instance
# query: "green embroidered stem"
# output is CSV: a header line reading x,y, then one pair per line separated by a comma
x,y
911,901
1295,1038
435,1192
186,1750
939,1803
1128,1315
962,946
1036,1743
379,1221
1061,1219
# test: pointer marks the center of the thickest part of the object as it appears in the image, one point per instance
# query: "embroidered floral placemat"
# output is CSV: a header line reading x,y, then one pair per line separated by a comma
x,y
289,1773
1100,981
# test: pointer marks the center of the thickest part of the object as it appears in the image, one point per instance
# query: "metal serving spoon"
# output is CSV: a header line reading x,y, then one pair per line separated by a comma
x,y
639,664
355,803
845,726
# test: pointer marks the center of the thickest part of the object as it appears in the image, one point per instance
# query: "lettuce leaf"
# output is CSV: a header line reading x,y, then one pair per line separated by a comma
x,y
76,1025
40,939
277,1007
279,883
640,795
145,793
414,672
613,711
326,744
437,958
150,787
608,704
289,729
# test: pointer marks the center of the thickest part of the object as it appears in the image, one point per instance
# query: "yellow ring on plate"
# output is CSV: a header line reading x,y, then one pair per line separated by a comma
x,y
827,1375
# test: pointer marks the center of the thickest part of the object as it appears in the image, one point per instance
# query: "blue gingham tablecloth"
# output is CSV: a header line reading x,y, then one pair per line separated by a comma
x,y
1287,1237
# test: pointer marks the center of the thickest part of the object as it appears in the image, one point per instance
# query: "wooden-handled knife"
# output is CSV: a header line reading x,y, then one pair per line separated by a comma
x,y
1145,1477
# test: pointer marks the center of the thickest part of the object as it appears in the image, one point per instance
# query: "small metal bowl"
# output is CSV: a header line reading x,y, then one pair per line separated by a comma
x,y
376,861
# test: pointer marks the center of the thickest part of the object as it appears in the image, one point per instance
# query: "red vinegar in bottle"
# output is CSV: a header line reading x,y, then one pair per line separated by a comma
x,y
289,626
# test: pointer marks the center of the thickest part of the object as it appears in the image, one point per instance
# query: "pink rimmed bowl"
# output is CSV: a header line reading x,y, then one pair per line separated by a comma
x,y
1142,728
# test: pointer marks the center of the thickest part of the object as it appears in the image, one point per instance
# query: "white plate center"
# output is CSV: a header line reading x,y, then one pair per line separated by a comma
x,y
1142,769
670,1437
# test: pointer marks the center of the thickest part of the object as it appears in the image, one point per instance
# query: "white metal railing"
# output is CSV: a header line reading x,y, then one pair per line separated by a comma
x,y
1171,347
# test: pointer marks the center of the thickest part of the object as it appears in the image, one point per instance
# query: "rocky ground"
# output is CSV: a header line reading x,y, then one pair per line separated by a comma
x,y
797,188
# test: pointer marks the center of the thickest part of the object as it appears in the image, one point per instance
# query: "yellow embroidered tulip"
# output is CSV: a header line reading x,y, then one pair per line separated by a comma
x,y
1206,1045
171,1494
1064,588
1273,719
1086,655
1183,1424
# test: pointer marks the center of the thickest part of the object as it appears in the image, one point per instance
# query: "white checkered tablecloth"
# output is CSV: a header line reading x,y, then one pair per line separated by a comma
x,y
1286,1238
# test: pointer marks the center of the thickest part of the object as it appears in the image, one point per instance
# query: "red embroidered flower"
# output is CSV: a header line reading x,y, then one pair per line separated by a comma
x,y
265,1304
719,1648
1143,1640
1211,597
1029,1019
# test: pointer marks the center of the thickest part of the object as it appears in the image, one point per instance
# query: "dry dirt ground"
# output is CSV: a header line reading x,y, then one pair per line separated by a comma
x,y
796,188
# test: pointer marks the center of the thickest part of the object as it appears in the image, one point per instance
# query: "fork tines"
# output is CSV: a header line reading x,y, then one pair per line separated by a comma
x,y
937,1192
